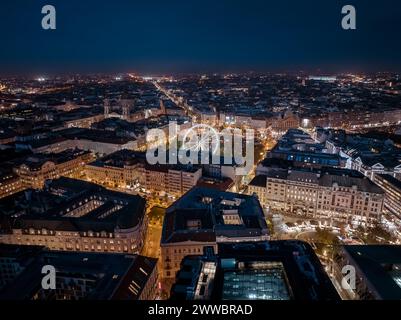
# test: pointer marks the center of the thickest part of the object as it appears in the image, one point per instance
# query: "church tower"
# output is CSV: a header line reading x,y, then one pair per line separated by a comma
x,y
126,105
106,104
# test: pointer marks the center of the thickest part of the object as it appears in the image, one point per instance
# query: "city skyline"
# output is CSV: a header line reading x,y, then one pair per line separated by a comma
x,y
322,174
222,152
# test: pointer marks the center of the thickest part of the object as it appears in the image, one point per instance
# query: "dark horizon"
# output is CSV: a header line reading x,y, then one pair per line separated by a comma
x,y
174,37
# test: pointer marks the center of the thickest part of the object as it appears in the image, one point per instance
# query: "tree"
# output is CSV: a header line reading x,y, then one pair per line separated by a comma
x,y
325,237
378,231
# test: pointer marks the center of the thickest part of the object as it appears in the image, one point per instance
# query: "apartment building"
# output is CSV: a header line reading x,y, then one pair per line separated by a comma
x,y
119,169
10,183
174,180
129,168
75,215
36,169
337,195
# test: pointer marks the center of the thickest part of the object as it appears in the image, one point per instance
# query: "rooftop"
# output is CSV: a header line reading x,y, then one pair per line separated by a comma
x,y
120,159
274,270
381,266
94,135
258,181
203,214
35,162
395,182
64,207
111,275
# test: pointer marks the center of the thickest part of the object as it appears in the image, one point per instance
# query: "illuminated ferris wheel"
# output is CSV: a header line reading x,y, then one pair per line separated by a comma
x,y
201,137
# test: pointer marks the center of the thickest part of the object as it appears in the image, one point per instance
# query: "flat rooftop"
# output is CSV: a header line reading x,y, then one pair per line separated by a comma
x,y
267,270
268,281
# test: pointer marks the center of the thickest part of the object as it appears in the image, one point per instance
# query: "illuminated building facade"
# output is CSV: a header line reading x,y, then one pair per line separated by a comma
x,y
283,123
10,183
337,195
128,168
36,169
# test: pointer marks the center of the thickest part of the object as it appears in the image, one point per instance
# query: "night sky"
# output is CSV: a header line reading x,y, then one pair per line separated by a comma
x,y
171,36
